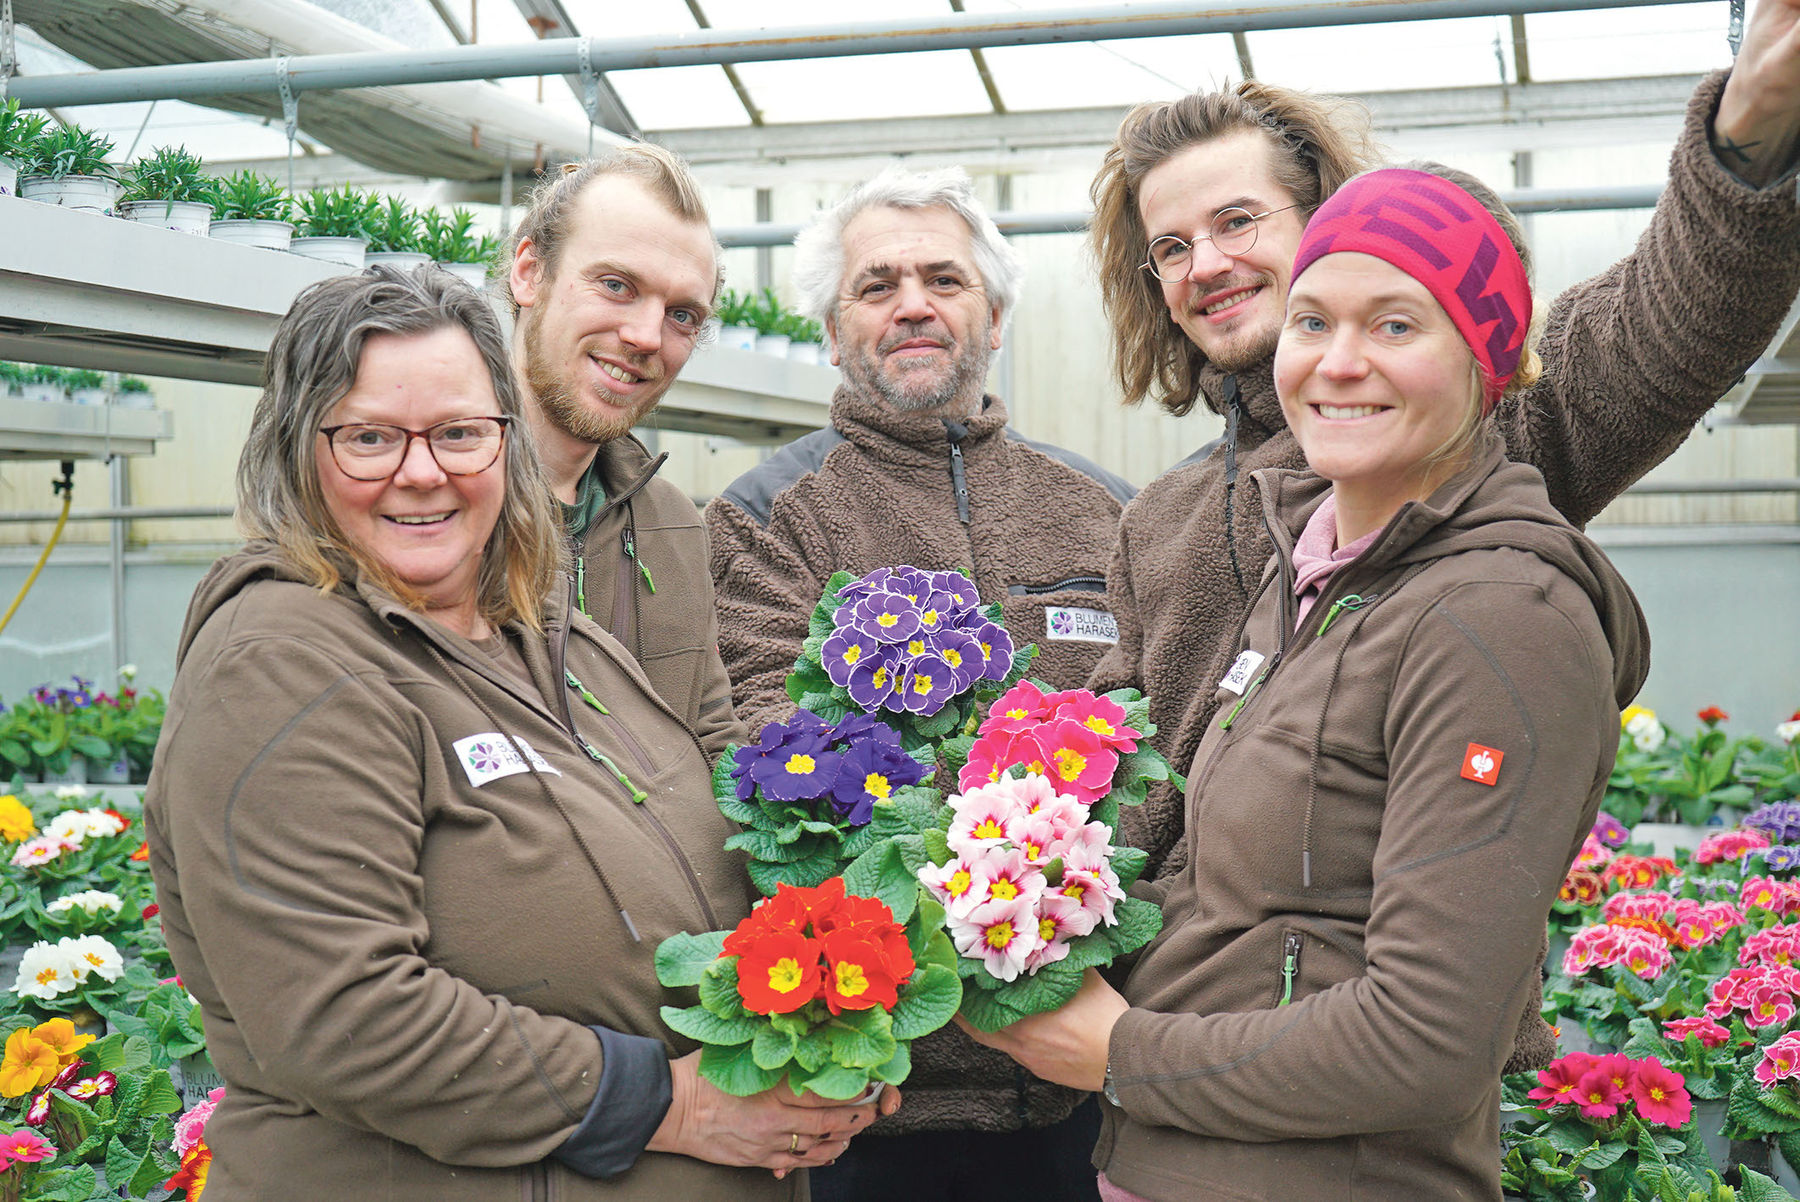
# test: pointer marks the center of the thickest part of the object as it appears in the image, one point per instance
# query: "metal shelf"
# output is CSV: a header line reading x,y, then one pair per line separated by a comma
x,y
80,290
63,430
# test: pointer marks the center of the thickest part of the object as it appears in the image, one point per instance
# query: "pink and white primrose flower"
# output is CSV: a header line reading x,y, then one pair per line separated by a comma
x,y
192,1125
1767,893
1593,854
1097,889
1004,874
1770,1006
1727,846
1641,952
1636,905
1709,1033
34,853
1001,934
97,1086
1781,1060
982,817
954,885
1775,946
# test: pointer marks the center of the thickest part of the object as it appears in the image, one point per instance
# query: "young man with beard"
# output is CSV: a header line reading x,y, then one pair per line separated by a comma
x,y
1199,207
913,284
613,277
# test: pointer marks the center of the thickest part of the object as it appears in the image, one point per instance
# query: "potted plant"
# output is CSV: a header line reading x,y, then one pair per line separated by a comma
x,y
134,393
806,339
735,327
253,210
171,190
453,245
19,131
767,315
68,167
41,382
334,226
86,387
394,236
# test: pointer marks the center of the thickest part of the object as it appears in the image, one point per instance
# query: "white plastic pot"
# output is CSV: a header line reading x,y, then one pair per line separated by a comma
x,y
738,338
88,396
43,392
253,231
773,344
9,177
117,772
475,275
83,193
182,216
805,352
135,400
345,252
405,260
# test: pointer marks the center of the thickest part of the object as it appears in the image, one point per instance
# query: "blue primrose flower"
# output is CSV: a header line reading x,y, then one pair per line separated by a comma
x,y
996,648
874,679
929,682
805,732
959,587
884,617
1780,820
870,772
861,726
1781,857
798,773
961,651
843,651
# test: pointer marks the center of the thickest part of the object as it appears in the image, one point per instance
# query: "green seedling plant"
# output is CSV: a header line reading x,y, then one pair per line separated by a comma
x,y
70,150
452,239
19,130
247,196
337,213
171,174
396,227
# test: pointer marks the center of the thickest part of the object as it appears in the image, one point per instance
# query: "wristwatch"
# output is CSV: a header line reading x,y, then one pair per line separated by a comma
x,y
1110,1090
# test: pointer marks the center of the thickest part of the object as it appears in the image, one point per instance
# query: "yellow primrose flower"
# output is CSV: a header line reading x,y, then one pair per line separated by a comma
x,y
16,824
29,1063
61,1035
1633,712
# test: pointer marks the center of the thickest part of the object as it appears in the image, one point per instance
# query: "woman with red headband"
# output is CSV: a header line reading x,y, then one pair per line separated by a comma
x,y
1411,745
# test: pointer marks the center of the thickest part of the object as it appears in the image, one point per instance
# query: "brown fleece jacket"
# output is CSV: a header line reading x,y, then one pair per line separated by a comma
x,y
880,488
1632,358
1377,837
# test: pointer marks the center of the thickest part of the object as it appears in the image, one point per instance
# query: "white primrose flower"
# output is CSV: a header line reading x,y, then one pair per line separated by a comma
x,y
128,672
70,827
91,900
93,955
71,792
1788,731
46,971
100,824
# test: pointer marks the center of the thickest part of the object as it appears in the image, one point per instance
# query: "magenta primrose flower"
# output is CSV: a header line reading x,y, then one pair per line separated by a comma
x,y
1780,1061
1598,1095
97,1086
1610,831
1709,1033
25,1147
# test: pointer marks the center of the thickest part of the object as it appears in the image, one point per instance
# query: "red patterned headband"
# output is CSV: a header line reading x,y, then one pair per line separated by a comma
x,y
1444,238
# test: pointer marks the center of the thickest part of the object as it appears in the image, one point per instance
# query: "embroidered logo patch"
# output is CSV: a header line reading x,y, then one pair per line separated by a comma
x,y
1080,625
1242,669
491,756
1482,764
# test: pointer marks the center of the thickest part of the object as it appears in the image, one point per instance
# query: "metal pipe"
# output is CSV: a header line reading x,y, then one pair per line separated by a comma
x,y
1519,200
124,513
561,56
1664,488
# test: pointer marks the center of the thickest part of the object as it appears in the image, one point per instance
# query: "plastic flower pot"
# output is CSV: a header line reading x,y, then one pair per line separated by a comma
x,y
1709,1121
83,193
405,260
773,344
74,774
1665,838
806,352
475,275
88,396
270,235
738,338
43,392
345,252
182,216
116,772
9,177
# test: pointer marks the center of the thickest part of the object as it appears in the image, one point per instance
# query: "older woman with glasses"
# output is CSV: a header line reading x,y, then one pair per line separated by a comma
x,y
417,827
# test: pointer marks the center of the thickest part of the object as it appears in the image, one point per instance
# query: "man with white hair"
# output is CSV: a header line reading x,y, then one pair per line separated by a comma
x,y
913,284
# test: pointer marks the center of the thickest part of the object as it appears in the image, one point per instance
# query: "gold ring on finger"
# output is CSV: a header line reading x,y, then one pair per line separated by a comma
x,y
794,1144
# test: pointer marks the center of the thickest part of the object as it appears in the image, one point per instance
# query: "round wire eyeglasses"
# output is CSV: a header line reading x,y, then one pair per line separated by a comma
x,y
1233,232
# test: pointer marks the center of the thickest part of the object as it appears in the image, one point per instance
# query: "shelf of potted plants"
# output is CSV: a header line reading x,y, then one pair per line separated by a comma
x,y
67,167
169,189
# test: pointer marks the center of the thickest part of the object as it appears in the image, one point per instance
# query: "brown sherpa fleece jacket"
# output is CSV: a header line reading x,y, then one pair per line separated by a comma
x,y
1031,524
1632,358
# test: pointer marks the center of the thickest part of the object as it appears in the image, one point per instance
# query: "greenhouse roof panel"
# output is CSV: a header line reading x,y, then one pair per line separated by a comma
x,y
1613,43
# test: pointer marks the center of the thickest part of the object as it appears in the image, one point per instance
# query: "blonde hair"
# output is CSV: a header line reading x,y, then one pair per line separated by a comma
x,y
312,363
1316,143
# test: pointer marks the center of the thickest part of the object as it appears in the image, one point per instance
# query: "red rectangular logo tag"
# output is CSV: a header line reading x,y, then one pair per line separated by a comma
x,y
1482,764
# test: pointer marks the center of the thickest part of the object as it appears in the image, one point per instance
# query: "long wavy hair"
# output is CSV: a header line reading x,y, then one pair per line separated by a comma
x,y
312,363
1316,143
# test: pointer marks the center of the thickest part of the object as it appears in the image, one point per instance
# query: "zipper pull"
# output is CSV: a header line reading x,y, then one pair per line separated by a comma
x,y
959,483
1232,715
638,796
581,690
1290,966
581,584
1342,605
642,567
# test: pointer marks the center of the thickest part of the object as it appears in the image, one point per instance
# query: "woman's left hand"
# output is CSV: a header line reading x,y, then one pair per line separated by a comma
x,y
1067,1045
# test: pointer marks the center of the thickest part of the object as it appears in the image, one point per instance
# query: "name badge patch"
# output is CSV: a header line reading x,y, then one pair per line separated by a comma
x,y
1482,764
490,756
1242,669
1065,623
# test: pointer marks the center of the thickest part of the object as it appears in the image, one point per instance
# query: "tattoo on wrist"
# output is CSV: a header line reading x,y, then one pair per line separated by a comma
x,y
1736,153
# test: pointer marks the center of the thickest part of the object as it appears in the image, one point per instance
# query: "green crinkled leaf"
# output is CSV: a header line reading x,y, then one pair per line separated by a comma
x,y
881,873
895,1071
858,841
122,1164
1089,951
812,1049
797,1023
160,1096
703,1026
763,846
831,1081
1146,763
1128,792
861,1038
683,959
1043,990
1754,1187
72,1184
929,1001
734,1070
936,845
744,812
926,922
772,1049
953,753
937,725
1139,922
719,990
814,870
813,645
986,1011
1128,863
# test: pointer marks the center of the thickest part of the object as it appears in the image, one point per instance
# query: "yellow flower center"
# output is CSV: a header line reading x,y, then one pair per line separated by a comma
x,y
1012,713
876,785
1069,763
953,657
959,882
46,976
800,765
852,653
850,980
1074,889
888,620
93,959
785,975
987,651
1098,725
1046,929
1004,889
990,828
916,647
999,935
1036,766
880,679
921,684
930,617
1033,850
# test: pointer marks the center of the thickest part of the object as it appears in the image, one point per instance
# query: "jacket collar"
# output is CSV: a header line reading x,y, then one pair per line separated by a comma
x,y
625,467
1262,417
889,434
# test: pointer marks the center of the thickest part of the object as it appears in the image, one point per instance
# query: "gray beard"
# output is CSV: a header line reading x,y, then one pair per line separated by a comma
x,y
959,391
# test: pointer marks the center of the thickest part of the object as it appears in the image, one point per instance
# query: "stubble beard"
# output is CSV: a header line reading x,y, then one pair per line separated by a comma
x,y
1245,352
562,404
913,388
